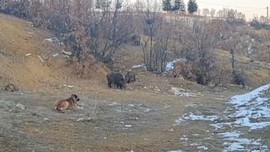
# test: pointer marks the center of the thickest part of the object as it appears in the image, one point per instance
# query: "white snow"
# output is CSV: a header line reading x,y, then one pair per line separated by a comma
x,y
169,65
230,135
175,151
239,100
114,104
235,143
128,126
182,92
202,147
49,39
251,106
53,40
192,116
147,110
250,110
138,66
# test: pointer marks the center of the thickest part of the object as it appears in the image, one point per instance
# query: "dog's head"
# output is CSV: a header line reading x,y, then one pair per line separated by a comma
x,y
75,97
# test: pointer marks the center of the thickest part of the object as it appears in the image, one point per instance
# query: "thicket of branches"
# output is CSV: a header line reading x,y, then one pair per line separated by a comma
x,y
99,32
84,30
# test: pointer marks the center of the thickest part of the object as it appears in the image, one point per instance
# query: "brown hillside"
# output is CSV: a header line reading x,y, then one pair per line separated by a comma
x,y
17,39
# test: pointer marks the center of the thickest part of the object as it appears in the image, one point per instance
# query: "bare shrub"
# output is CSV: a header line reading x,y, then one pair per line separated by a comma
x,y
184,69
155,44
83,30
83,69
16,8
198,46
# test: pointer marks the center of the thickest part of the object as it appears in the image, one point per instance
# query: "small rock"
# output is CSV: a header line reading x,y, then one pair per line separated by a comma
x,y
80,119
46,119
55,55
128,126
20,106
157,90
147,110
28,54
171,130
68,86
131,105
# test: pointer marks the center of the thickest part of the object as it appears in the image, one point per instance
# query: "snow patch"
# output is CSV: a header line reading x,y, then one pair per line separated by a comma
x,y
235,143
52,40
202,147
250,110
138,66
170,65
193,117
175,151
240,100
182,92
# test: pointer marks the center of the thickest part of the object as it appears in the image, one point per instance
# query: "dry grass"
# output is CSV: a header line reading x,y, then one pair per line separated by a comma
x,y
30,74
17,39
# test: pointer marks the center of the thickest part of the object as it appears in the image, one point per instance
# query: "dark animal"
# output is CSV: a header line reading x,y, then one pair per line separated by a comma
x,y
130,77
117,79
136,39
66,104
239,79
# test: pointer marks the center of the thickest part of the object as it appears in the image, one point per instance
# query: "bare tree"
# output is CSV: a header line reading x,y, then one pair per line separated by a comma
x,y
205,12
233,43
199,43
213,12
107,30
155,45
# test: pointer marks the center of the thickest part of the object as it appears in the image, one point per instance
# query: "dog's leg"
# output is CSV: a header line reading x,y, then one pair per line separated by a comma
x,y
61,110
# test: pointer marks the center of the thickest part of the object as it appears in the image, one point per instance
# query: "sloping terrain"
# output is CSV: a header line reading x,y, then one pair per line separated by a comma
x,y
22,46
156,113
18,38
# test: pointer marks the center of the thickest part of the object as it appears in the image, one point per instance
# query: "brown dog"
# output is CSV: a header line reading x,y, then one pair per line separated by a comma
x,y
66,104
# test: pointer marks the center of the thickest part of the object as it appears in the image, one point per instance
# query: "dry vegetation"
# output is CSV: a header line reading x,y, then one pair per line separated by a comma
x,y
206,46
98,36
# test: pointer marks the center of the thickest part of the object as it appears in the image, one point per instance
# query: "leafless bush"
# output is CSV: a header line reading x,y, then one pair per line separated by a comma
x,y
198,46
107,33
16,8
184,69
84,68
83,29
155,44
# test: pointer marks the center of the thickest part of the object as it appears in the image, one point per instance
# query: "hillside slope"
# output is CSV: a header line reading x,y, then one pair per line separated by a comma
x,y
20,46
19,38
